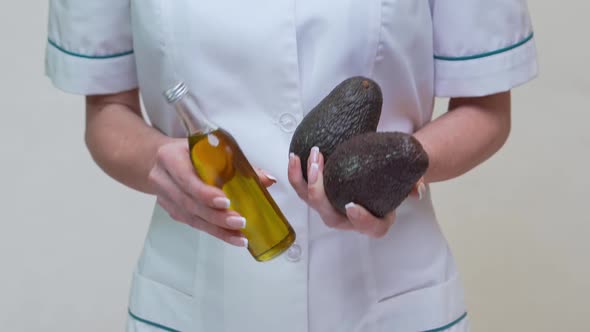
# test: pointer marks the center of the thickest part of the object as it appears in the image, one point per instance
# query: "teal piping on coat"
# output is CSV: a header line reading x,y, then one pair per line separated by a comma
x,y
448,326
95,57
486,54
145,321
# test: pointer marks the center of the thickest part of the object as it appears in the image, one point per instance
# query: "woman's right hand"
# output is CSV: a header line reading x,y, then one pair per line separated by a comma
x,y
187,199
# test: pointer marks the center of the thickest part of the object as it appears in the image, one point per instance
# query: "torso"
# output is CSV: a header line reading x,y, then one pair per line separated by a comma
x,y
257,69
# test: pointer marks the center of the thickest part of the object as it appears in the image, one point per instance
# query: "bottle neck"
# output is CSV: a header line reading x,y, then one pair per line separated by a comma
x,y
192,117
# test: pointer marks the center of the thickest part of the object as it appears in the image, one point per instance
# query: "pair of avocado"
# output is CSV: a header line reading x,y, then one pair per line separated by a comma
x,y
377,170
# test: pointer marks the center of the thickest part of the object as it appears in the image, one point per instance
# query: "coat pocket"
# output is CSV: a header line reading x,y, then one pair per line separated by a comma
x,y
170,252
426,309
158,307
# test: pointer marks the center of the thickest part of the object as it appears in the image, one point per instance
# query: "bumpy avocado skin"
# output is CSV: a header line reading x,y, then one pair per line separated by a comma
x,y
375,170
353,107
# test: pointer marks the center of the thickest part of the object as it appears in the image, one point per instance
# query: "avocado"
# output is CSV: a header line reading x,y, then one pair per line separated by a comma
x,y
353,107
376,170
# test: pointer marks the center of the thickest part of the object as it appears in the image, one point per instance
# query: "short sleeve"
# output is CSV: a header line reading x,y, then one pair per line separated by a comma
x,y
482,47
90,46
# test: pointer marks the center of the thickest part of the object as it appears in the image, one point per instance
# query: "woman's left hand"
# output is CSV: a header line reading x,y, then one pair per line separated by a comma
x,y
357,217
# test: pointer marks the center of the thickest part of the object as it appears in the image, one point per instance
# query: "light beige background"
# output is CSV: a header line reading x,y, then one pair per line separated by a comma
x,y
519,225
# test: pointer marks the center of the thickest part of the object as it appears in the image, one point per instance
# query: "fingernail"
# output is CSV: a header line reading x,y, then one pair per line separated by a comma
x,y
221,202
270,177
315,154
313,173
291,159
236,222
352,211
239,241
421,190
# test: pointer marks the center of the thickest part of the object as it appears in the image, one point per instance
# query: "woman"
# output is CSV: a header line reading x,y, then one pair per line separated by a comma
x,y
257,68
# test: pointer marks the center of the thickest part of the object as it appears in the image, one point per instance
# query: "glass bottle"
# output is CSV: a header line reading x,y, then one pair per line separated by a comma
x,y
219,161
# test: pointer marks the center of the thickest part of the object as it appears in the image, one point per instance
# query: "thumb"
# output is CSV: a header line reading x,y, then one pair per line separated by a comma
x,y
265,178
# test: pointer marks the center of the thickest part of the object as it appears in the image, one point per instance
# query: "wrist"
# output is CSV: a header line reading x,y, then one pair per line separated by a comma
x,y
428,175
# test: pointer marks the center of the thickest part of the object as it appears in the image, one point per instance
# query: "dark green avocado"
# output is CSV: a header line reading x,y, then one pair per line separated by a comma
x,y
375,170
353,107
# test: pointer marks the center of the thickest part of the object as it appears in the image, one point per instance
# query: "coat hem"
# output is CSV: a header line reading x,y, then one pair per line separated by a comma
x,y
154,324
448,326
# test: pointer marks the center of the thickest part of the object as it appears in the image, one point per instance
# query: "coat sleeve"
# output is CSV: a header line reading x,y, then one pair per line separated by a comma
x,y
482,47
90,46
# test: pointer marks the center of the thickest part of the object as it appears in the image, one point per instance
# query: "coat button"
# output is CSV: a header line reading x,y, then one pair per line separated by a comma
x,y
288,122
294,253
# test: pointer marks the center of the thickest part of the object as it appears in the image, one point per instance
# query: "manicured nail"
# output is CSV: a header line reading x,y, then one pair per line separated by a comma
x,y
421,190
221,202
270,177
315,154
239,241
291,159
236,222
352,211
313,173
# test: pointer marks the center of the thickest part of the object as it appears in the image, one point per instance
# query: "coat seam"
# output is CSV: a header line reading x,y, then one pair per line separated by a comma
x,y
378,46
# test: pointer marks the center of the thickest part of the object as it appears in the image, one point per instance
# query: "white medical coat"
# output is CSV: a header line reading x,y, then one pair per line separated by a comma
x,y
257,68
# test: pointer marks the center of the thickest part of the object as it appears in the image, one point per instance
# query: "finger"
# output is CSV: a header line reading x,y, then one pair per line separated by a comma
x,y
227,219
315,187
357,215
314,155
179,167
173,210
317,197
179,214
296,176
193,187
336,220
169,193
265,178
367,223
232,237
382,227
345,225
419,189
315,180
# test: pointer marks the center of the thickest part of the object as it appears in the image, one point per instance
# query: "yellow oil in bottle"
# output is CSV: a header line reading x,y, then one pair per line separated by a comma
x,y
220,162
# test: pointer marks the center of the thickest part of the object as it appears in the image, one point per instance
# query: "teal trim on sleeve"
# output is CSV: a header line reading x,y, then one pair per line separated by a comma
x,y
110,56
145,321
486,54
448,326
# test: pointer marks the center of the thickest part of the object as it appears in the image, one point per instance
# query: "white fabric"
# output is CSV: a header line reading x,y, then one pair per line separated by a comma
x,y
94,31
483,76
91,76
257,69
484,33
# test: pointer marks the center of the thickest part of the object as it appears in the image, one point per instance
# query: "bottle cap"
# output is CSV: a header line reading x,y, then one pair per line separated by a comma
x,y
176,92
